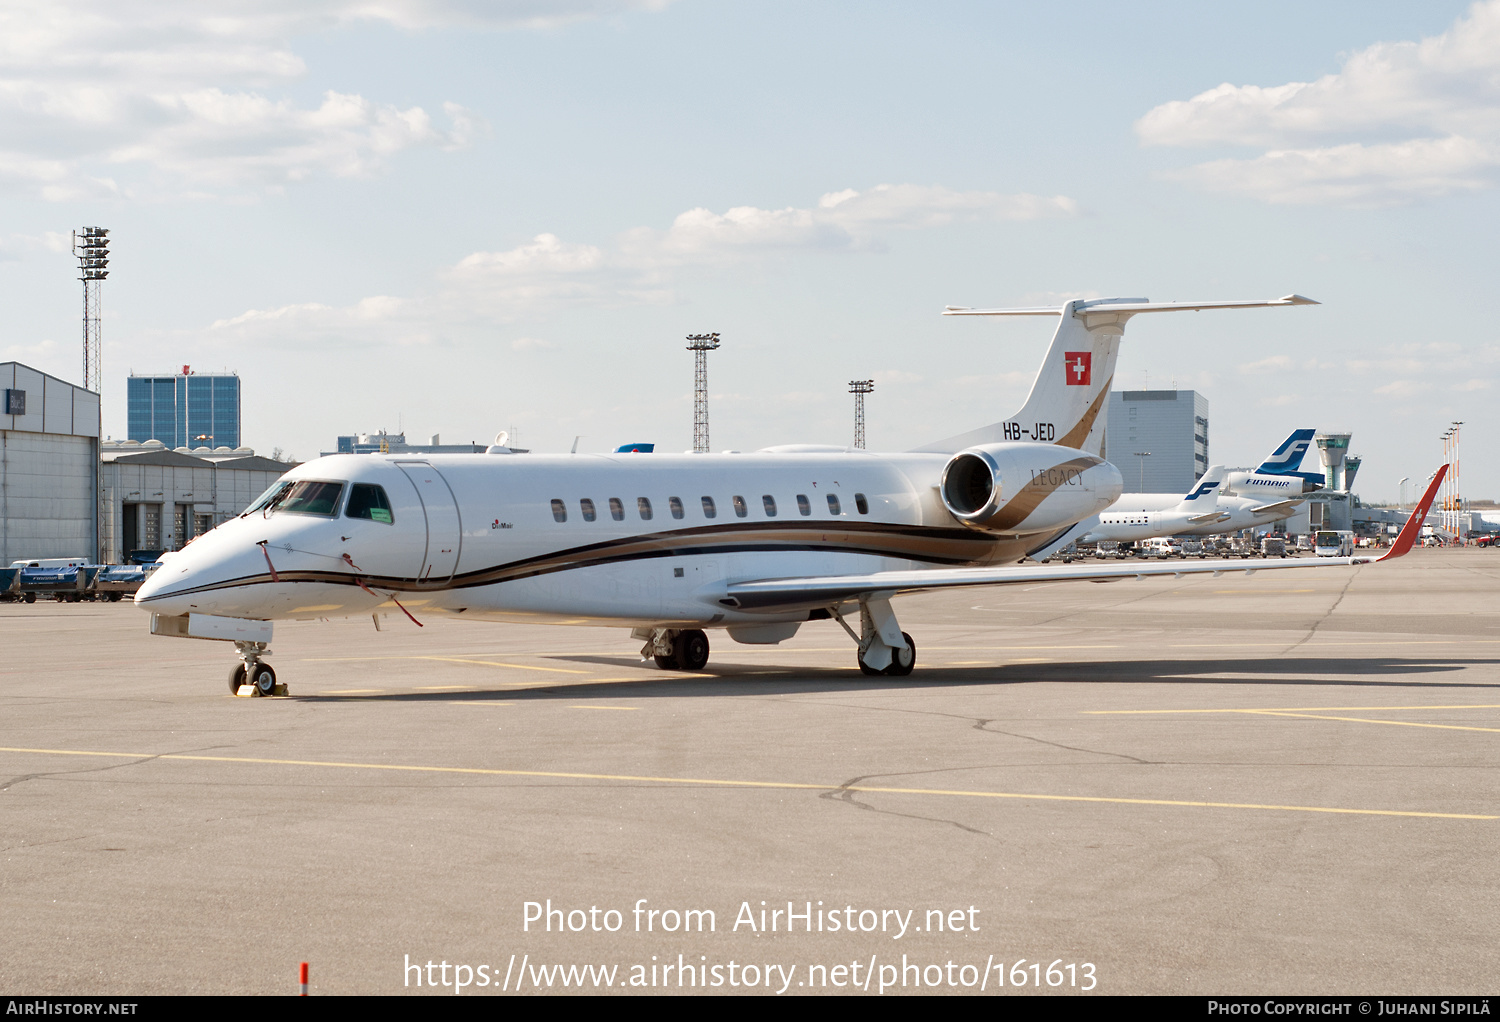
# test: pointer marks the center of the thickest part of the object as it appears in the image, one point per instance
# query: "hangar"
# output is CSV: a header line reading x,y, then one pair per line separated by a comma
x,y
49,466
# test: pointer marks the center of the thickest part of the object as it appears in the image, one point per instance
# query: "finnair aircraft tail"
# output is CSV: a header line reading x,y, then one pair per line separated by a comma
x,y
1287,458
1204,496
1279,472
1066,403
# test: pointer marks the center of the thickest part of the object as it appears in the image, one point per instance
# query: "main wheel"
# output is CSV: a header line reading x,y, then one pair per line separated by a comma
x,y
264,680
866,669
30,597
692,650
902,660
114,597
236,678
666,663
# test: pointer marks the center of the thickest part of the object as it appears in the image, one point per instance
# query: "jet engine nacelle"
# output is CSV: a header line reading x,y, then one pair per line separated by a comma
x,y
1023,487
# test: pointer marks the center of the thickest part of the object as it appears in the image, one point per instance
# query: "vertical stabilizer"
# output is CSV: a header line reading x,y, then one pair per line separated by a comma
x,y
1287,458
1066,405
1204,496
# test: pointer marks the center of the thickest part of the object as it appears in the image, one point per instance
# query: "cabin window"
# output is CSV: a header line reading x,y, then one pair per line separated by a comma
x,y
675,503
310,498
708,508
861,503
833,504
740,509
559,510
804,506
616,509
769,503
587,507
643,505
369,501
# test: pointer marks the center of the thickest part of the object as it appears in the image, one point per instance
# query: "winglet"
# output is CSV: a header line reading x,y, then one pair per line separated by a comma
x,y
1414,523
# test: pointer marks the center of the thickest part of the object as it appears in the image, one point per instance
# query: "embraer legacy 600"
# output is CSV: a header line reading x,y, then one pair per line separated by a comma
x,y
670,545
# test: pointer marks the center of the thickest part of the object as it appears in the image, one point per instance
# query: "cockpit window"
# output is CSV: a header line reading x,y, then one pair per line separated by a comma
x,y
278,489
367,500
309,498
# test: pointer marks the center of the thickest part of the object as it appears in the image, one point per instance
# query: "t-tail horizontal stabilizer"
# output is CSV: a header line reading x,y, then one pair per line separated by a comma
x,y
1067,398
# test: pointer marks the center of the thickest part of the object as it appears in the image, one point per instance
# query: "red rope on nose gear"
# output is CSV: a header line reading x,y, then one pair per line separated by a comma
x,y
350,561
392,598
262,545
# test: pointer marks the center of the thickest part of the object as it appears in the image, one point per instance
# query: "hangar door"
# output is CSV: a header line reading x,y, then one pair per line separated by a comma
x,y
444,529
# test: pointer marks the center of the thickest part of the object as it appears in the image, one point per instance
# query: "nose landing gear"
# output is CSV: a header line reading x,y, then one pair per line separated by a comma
x,y
253,672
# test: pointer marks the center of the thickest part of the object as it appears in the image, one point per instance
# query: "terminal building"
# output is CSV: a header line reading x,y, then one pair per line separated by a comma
x,y
49,466
1158,439
184,410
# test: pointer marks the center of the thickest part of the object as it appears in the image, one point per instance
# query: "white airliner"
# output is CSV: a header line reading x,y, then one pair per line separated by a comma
x,y
670,545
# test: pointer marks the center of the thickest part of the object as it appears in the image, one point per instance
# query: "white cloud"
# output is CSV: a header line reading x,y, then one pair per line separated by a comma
x,y
1274,364
1404,388
1400,121
152,98
638,268
841,220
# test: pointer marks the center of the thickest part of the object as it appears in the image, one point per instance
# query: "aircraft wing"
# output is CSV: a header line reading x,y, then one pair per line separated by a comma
x,y
820,591
1277,508
815,591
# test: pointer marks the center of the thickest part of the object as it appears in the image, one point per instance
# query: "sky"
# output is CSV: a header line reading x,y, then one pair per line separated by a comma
x,y
459,217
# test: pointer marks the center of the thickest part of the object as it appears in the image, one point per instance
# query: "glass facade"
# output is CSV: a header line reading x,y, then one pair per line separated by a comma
x,y
184,411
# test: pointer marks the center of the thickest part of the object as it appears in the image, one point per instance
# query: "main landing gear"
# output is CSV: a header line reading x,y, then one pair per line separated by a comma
x,y
676,649
883,648
253,671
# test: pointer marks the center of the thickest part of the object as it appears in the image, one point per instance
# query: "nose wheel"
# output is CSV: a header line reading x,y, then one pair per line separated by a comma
x,y
254,672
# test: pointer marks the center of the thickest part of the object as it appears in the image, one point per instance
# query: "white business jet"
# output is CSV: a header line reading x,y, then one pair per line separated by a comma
x,y
670,545
1124,523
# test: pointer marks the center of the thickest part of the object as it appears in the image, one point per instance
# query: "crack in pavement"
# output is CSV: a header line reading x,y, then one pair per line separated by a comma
x,y
22,778
1326,614
981,724
844,795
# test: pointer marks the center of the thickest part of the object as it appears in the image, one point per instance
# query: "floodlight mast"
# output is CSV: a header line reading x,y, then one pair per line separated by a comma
x,y
91,247
700,345
859,388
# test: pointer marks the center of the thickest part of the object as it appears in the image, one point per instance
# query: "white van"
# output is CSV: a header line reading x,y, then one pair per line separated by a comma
x,y
1334,543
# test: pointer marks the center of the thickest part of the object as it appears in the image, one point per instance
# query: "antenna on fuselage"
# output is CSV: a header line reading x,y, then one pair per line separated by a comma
x,y
577,438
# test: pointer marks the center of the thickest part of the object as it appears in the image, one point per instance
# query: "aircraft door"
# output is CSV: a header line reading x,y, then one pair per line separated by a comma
x,y
444,528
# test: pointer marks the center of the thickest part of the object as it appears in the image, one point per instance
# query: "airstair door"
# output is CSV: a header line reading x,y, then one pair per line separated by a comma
x,y
444,527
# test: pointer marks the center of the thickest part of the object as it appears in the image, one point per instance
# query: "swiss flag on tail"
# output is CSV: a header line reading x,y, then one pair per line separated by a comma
x,y
1077,366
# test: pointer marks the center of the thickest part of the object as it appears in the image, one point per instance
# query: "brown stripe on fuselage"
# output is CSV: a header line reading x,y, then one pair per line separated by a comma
x,y
932,545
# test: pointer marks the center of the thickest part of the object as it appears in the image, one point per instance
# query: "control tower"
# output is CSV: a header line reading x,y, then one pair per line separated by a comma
x,y
1333,450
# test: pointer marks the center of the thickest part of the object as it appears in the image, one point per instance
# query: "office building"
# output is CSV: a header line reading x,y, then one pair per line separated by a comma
x,y
185,410
1158,439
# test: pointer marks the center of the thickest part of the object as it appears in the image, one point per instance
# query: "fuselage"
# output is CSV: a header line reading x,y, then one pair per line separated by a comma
x,y
639,539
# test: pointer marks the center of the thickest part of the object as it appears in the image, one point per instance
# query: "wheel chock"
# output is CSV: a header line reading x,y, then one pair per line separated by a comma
x,y
245,691
280,690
